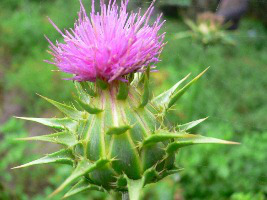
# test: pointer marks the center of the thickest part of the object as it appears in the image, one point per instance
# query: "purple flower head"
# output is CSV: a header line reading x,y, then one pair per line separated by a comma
x,y
108,45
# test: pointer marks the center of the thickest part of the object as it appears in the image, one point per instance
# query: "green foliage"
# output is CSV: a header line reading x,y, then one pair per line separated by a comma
x,y
258,9
13,152
218,173
247,196
186,3
22,37
34,76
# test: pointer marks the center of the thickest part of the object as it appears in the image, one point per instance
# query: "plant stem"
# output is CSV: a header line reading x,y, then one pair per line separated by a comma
x,y
125,196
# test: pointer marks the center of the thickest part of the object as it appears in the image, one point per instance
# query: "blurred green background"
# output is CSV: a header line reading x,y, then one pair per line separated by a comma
x,y
233,93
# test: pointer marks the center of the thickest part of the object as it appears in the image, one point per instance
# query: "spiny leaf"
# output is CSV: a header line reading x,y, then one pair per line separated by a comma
x,y
88,108
123,91
63,156
150,175
81,186
191,139
165,97
146,94
187,126
65,138
56,123
118,130
83,167
67,110
176,96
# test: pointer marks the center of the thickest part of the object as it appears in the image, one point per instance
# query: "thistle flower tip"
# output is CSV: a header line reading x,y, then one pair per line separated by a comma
x,y
109,44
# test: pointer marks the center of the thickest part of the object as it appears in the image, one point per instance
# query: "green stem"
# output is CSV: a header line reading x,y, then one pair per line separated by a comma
x,y
135,188
125,196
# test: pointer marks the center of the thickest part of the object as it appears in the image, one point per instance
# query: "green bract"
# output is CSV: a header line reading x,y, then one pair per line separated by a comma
x,y
115,137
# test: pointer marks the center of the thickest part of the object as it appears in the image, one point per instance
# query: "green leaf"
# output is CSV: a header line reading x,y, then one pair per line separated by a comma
x,y
65,138
123,91
88,108
165,97
146,94
63,156
118,130
56,123
176,96
191,139
81,186
187,126
67,110
83,167
161,136
102,84
87,88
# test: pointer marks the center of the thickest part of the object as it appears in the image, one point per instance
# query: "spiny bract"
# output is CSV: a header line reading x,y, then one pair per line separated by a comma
x,y
114,134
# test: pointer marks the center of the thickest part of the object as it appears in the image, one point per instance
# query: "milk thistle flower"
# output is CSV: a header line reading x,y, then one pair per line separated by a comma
x,y
114,134
108,45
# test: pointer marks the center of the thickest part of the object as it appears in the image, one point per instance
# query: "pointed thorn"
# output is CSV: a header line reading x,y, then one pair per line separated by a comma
x,y
177,95
190,125
23,139
67,110
18,117
20,166
163,99
63,156
231,142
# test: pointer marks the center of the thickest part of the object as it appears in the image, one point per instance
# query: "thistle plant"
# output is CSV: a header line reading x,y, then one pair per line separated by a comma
x,y
207,30
115,133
